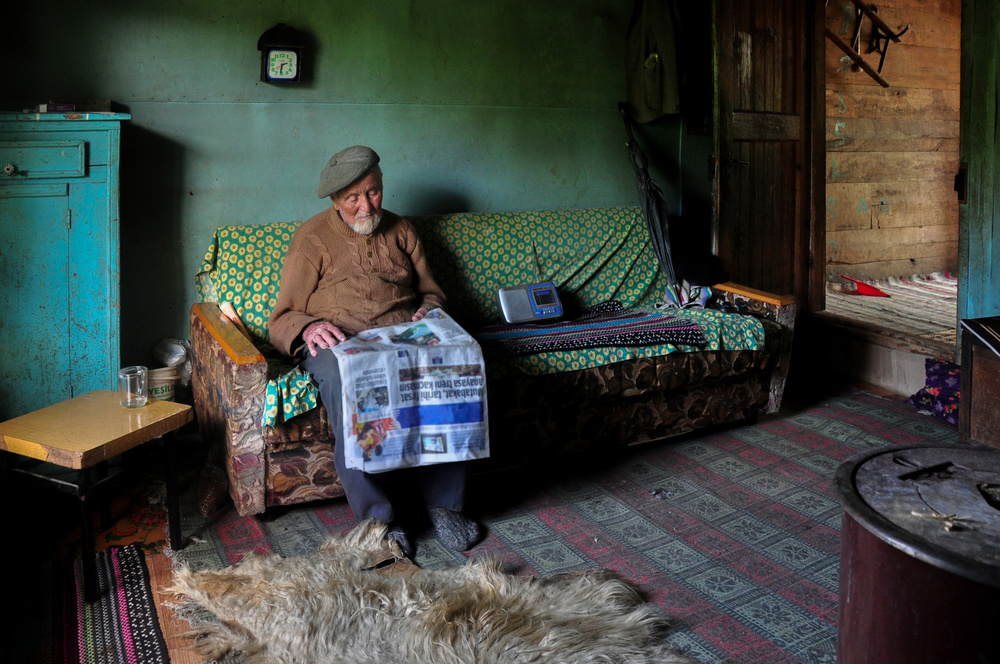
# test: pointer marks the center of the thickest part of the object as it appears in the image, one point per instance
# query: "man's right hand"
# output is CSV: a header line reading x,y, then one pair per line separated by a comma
x,y
322,334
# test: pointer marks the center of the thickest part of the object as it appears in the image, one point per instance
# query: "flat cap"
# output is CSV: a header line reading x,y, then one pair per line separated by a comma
x,y
344,168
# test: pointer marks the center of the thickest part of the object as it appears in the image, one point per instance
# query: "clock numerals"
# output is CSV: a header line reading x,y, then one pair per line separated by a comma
x,y
282,64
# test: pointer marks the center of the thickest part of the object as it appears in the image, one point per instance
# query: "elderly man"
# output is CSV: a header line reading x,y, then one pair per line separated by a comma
x,y
350,268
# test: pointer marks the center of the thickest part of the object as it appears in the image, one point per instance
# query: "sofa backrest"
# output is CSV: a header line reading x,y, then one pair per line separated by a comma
x,y
591,255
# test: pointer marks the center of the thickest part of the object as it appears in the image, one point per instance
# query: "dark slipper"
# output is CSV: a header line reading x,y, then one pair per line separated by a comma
x,y
455,530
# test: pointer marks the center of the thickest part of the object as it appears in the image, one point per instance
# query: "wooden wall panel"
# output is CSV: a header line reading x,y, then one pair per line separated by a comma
x,y
854,101
892,153
866,205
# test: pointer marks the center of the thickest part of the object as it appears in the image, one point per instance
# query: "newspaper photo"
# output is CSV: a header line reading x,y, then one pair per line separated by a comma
x,y
414,394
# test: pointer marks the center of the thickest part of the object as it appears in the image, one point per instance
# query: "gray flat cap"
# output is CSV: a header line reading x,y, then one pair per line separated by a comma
x,y
344,168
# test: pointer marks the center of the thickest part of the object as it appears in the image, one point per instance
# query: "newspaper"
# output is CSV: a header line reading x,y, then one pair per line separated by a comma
x,y
413,395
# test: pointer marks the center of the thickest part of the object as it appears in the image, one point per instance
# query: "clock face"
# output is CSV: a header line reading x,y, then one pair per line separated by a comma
x,y
282,64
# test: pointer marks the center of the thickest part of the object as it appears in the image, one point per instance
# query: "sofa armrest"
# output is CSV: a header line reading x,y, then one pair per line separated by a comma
x,y
780,309
229,384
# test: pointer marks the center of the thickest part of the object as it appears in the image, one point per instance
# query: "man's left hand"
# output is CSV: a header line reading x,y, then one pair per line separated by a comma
x,y
421,312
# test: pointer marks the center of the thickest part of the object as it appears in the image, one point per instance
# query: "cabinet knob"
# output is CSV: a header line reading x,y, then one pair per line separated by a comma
x,y
9,169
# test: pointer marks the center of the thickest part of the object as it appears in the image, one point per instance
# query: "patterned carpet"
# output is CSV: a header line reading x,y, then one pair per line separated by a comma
x,y
734,535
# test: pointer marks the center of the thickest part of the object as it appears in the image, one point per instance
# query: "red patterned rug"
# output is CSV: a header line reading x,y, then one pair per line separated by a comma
x,y
734,535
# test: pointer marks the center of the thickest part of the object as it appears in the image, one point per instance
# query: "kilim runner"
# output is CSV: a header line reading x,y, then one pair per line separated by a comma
x,y
121,626
922,306
605,324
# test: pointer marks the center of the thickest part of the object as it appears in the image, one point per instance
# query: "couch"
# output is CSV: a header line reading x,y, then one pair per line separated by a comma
x,y
263,414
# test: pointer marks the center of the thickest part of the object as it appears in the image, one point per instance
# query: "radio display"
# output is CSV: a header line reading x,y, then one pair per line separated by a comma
x,y
543,297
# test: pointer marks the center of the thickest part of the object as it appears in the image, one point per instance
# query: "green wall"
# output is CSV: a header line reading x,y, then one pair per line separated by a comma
x,y
473,106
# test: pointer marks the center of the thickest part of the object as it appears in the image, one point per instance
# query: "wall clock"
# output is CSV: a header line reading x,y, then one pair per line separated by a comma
x,y
281,50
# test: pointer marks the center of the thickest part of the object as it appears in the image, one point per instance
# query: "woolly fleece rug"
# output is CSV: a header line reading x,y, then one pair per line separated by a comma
x,y
344,604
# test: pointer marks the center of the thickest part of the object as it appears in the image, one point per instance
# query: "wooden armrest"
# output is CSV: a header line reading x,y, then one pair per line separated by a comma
x,y
233,342
780,309
753,293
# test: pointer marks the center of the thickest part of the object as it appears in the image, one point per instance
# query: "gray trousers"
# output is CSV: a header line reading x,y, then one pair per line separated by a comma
x,y
441,485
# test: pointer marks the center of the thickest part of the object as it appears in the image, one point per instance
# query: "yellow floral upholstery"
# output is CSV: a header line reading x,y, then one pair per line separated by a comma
x,y
243,266
591,255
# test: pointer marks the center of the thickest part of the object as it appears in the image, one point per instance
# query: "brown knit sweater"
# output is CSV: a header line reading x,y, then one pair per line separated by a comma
x,y
355,281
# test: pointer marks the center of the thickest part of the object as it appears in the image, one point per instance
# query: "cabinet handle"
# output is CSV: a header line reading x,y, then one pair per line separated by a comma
x,y
9,169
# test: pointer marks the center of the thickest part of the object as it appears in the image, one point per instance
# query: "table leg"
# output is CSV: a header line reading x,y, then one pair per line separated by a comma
x,y
91,589
101,470
173,501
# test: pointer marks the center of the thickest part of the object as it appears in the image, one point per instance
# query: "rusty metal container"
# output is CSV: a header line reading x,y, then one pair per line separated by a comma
x,y
920,556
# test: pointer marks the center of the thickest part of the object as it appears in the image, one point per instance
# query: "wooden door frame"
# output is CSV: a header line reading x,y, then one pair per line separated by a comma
x,y
816,270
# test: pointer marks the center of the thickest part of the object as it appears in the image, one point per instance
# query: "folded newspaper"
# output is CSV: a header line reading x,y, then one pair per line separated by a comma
x,y
414,395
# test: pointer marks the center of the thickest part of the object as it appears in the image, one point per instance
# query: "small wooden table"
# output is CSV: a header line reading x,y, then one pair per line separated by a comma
x,y
82,434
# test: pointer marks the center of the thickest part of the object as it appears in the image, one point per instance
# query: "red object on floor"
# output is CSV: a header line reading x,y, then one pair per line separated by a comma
x,y
866,289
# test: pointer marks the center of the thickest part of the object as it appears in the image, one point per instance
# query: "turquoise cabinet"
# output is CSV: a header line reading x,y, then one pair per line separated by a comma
x,y
59,267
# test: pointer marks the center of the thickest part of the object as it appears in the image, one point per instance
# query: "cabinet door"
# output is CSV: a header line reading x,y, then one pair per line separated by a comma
x,y
93,285
34,297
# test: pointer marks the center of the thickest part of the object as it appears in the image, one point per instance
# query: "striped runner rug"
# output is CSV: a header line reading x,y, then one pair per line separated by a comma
x,y
924,306
57,626
605,324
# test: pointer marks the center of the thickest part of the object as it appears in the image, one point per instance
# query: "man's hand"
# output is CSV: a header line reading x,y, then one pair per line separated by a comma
x,y
421,312
322,334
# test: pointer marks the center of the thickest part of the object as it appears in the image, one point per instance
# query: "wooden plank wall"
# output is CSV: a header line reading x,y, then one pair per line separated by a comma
x,y
892,153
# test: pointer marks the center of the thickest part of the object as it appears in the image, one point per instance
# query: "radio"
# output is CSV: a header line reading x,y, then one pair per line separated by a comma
x,y
532,303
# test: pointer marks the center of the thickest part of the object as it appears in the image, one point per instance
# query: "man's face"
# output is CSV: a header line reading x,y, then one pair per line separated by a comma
x,y
360,204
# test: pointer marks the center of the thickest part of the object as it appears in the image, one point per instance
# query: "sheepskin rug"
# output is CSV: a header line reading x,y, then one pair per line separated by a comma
x,y
350,603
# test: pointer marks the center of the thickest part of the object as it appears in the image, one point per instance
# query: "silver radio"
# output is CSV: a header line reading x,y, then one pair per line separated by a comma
x,y
532,303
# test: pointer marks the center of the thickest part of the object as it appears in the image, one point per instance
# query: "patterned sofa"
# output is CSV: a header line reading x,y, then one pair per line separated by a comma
x,y
263,413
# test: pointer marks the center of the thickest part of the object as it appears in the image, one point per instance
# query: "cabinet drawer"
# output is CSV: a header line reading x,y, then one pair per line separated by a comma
x,y
43,159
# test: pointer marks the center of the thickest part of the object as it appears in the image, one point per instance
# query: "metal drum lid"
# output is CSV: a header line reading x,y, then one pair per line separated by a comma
x,y
938,503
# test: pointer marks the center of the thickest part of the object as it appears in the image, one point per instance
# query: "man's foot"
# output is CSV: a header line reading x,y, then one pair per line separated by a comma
x,y
398,535
455,530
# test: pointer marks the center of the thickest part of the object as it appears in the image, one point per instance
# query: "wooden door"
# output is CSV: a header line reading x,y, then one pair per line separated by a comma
x,y
765,173
979,218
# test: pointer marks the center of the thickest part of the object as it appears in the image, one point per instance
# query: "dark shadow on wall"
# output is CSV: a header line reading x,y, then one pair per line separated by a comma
x,y
152,282
428,200
691,244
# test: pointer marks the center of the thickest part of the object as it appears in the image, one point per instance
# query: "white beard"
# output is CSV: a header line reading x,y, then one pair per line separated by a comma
x,y
367,226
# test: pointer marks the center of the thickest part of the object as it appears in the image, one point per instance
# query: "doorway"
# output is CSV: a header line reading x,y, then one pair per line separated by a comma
x,y
892,153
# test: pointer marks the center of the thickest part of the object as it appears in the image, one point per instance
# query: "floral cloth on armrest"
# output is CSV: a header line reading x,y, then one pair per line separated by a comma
x,y
288,395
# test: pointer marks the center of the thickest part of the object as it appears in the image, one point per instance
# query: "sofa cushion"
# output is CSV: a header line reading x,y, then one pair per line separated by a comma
x,y
591,255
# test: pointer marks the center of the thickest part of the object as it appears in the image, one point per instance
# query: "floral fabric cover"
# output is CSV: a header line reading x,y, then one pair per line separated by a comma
x,y
588,259
940,395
